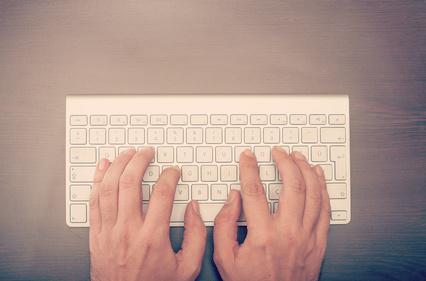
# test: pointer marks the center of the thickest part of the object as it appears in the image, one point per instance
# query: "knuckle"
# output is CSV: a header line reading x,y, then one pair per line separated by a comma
x,y
93,201
296,185
107,190
316,197
253,188
128,180
163,189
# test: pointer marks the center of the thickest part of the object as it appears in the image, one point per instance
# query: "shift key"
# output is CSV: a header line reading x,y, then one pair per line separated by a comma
x,y
82,173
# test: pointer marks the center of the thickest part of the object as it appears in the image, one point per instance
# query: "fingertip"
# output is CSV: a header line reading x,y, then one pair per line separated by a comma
x,y
319,171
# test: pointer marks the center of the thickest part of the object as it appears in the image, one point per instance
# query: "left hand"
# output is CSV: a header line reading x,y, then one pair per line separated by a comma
x,y
126,244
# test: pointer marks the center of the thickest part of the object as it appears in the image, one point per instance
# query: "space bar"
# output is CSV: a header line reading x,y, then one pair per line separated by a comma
x,y
208,212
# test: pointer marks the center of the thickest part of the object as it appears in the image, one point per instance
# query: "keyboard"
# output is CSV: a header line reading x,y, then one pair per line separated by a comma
x,y
204,135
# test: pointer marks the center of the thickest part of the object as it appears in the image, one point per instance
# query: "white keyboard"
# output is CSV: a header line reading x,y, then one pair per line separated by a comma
x,y
204,135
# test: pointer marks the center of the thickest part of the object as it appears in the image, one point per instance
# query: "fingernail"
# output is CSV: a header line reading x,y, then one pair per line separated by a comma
x,y
102,163
231,197
319,171
299,155
248,153
176,167
280,149
127,151
196,207
146,148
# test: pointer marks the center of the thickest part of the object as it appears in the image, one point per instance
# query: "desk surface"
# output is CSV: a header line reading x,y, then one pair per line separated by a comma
x,y
373,51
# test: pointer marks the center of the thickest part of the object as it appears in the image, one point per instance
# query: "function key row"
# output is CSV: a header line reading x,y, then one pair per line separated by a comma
x,y
204,119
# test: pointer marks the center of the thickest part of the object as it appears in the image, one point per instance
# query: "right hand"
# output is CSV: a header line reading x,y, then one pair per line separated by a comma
x,y
287,245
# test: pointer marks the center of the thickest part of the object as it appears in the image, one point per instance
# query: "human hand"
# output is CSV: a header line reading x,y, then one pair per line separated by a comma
x,y
126,244
287,245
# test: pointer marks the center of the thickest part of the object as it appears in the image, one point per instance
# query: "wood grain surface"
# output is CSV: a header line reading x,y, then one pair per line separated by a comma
x,y
374,51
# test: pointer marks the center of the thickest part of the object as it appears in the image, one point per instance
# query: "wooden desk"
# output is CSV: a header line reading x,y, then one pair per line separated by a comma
x,y
374,51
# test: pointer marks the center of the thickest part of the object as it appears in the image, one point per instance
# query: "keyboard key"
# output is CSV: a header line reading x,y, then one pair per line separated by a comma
x,y
118,120
219,119
199,119
278,119
267,172
333,135
317,119
182,192
78,213
233,135
271,135
213,135
252,135
238,151
336,119
219,192
175,135
178,119
309,135
165,154
209,173
117,136
107,152
336,190
160,119
228,173
274,191
83,155
302,149
138,120
194,135
151,174
291,135
338,215
319,153
98,120
298,119
239,119
80,192
185,154
82,173
136,135
263,153
78,120
155,135
204,154
328,171
146,192
200,192
259,119
189,173
97,136
223,154
78,136
338,156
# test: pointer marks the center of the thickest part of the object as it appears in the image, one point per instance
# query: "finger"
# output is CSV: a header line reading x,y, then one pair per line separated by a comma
x,y
194,242
313,198
324,217
109,188
225,231
130,188
160,204
94,208
292,196
256,207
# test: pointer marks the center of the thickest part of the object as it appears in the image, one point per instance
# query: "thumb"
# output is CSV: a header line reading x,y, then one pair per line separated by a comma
x,y
194,243
225,231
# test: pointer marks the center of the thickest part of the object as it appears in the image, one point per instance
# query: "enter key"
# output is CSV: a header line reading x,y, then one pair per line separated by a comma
x,y
338,156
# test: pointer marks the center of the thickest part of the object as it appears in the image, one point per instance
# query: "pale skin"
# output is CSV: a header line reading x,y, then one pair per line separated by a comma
x,y
126,244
